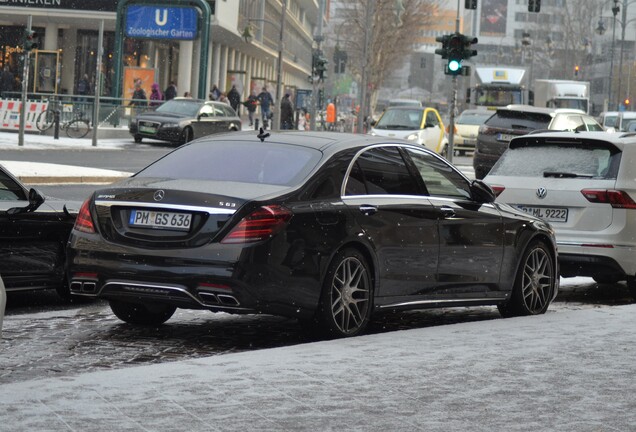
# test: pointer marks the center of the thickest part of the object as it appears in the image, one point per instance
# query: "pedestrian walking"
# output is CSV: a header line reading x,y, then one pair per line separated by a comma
x,y
251,103
215,93
286,113
156,98
235,99
139,97
266,101
171,91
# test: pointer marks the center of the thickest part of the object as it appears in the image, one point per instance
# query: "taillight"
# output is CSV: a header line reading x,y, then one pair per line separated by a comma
x,y
497,189
486,130
84,221
259,225
616,198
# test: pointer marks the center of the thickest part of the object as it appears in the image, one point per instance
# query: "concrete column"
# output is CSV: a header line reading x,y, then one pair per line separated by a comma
x,y
216,64
208,81
223,69
50,37
68,61
184,80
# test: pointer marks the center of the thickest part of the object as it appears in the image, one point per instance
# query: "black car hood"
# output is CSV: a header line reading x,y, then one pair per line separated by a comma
x,y
236,190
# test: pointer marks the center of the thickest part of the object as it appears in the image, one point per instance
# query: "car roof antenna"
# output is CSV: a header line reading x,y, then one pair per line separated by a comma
x,y
262,135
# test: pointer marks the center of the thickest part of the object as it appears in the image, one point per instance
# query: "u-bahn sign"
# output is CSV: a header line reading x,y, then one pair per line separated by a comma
x,y
160,22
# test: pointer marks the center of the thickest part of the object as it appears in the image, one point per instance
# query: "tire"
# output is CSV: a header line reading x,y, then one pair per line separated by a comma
x,y
78,128
137,138
186,136
142,314
534,284
45,120
631,286
607,279
347,296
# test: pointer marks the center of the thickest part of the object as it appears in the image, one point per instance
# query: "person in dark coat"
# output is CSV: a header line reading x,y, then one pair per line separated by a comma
x,y
286,113
7,82
266,101
171,91
235,99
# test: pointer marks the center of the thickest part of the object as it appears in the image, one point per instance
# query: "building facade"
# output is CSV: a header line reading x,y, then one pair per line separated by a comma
x,y
68,34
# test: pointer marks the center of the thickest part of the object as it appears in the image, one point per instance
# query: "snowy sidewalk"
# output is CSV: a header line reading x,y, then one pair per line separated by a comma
x,y
566,371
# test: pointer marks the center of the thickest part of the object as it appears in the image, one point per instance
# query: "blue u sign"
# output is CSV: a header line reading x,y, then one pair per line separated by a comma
x,y
157,22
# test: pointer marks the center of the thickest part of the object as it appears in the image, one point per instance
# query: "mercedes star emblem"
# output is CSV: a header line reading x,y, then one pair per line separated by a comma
x,y
158,196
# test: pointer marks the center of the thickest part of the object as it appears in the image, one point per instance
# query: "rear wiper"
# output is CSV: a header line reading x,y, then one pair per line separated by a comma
x,y
559,174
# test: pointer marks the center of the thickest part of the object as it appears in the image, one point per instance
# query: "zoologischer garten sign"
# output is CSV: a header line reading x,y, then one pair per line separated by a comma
x,y
159,22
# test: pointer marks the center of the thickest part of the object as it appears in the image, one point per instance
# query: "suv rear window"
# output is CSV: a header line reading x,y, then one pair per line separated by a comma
x,y
519,120
558,160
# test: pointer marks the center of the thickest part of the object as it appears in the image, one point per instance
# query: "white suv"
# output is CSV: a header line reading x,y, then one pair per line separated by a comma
x,y
584,185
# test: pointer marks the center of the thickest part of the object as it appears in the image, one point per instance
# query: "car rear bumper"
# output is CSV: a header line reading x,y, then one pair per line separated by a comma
x,y
584,259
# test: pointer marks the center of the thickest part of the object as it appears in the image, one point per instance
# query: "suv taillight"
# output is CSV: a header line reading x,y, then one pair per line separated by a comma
x,y
616,198
259,225
497,189
84,221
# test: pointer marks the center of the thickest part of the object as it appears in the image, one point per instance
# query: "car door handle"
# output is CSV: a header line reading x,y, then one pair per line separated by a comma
x,y
368,210
447,212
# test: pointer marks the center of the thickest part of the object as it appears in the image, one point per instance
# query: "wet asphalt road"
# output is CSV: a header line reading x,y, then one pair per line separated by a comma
x,y
44,336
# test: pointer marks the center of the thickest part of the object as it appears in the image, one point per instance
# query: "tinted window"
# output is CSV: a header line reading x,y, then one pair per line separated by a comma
x,y
185,107
381,171
535,161
439,177
250,162
519,120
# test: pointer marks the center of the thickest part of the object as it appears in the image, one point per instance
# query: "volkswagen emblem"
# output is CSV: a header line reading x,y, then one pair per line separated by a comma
x,y
542,192
158,196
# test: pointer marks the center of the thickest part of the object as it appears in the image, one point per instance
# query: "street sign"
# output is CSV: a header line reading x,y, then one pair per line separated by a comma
x,y
158,22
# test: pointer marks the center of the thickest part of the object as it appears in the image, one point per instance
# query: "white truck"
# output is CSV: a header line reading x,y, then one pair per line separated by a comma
x,y
562,94
497,86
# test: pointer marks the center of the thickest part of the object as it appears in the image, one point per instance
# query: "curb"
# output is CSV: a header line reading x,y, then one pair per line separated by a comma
x,y
70,179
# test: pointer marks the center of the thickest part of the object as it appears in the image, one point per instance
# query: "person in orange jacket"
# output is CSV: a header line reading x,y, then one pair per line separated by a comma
x,y
331,116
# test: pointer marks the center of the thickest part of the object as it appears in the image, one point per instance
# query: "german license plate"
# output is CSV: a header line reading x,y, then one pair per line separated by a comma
x,y
159,219
505,137
548,214
147,129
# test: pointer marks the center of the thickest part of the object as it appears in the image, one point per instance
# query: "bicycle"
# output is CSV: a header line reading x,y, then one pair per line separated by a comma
x,y
76,127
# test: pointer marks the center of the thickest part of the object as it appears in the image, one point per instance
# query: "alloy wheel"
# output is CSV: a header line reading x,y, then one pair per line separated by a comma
x,y
350,291
537,280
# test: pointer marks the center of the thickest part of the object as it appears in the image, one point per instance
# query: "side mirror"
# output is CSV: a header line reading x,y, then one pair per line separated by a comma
x,y
481,192
35,200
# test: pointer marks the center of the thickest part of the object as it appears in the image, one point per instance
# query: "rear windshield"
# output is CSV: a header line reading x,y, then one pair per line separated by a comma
x,y
519,120
559,161
248,162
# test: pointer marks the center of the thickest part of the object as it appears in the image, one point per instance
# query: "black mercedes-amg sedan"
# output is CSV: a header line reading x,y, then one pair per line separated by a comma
x,y
325,227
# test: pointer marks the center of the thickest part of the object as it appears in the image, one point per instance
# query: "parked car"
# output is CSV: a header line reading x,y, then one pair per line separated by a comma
x,y
33,235
609,119
324,227
466,129
515,120
181,120
422,126
583,185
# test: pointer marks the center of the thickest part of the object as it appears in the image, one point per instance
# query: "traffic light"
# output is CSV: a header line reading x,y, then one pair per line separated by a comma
x,y
576,70
470,4
30,43
455,54
469,51
626,102
534,5
319,65
443,51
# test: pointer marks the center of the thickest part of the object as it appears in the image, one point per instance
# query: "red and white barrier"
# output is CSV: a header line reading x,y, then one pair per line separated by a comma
x,y
10,113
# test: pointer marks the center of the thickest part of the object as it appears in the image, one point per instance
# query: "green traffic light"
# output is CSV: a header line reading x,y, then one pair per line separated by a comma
x,y
454,65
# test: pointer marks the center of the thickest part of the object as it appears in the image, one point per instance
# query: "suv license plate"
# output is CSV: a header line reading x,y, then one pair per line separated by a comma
x,y
158,219
505,137
548,214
